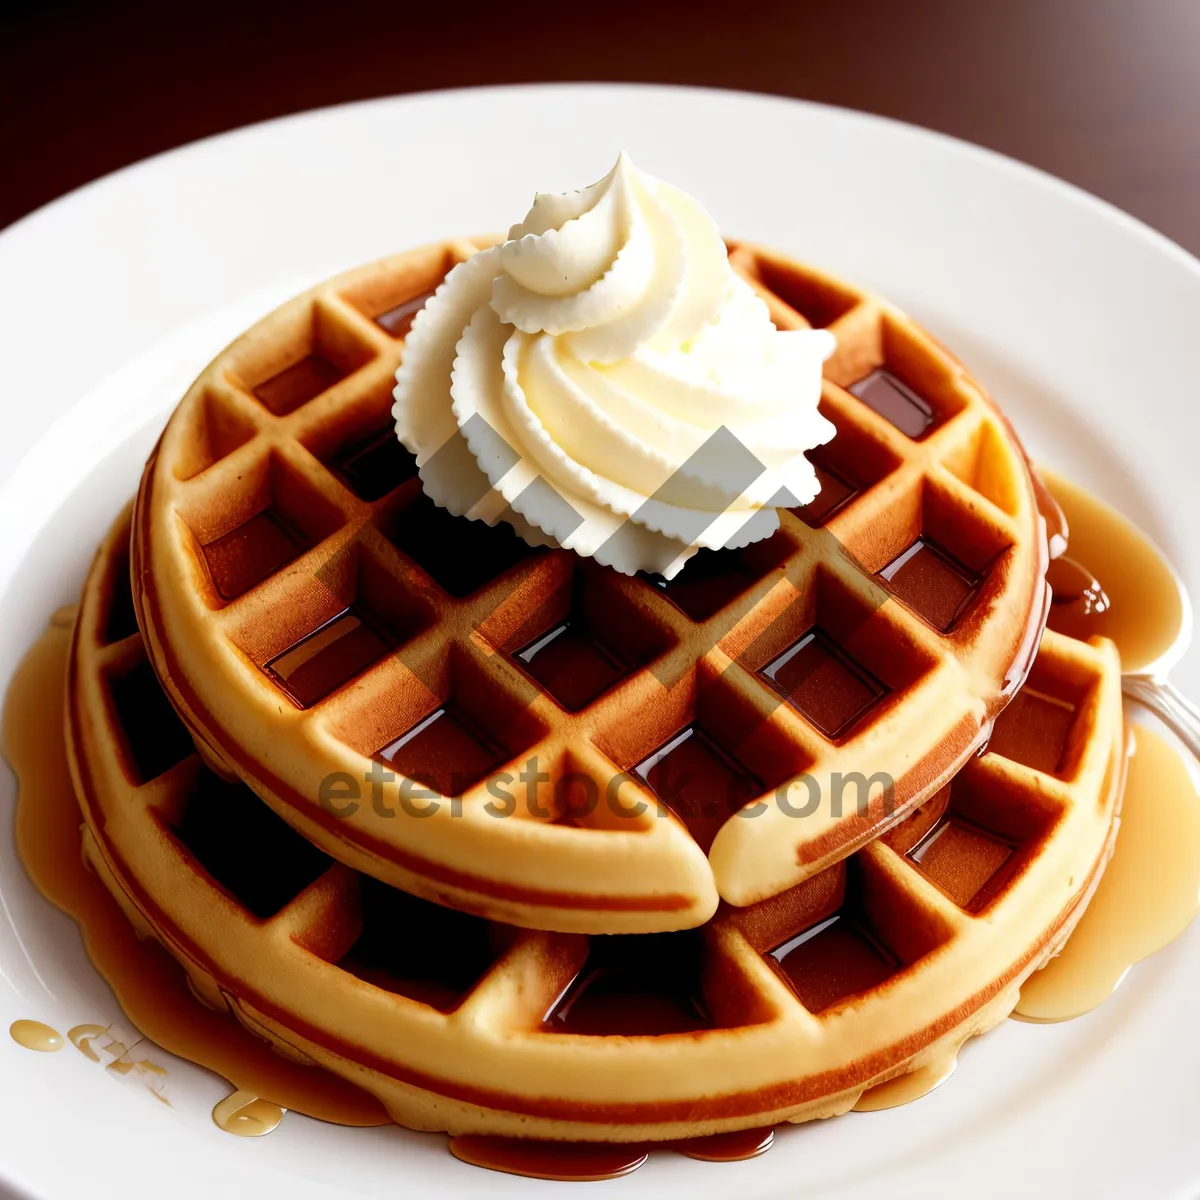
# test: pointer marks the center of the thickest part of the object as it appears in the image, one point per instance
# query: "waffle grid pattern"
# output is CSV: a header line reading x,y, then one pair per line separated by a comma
x,y
242,443
484,1061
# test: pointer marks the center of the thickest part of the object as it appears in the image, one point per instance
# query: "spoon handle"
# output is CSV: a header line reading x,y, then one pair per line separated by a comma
x,y
1169,705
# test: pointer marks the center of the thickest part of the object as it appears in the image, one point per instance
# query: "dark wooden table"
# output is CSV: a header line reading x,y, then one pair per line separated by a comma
x,y
1105,93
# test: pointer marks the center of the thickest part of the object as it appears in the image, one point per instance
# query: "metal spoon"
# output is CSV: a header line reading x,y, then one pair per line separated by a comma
x,y
1148,614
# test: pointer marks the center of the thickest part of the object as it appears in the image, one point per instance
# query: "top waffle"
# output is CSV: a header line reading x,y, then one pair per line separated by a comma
x,y
569,744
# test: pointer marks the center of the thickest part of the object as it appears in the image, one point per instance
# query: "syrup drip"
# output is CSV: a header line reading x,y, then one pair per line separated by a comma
x,y
34,1035
246,1115
1114,584
738,1146
1079,599
563,1162
1147,896
1052,514
82,1037
907,1088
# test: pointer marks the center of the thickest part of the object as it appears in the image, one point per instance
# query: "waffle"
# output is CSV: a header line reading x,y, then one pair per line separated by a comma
x,y
786,1009
881,629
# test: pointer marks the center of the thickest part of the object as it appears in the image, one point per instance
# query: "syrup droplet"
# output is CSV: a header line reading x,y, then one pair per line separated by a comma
x,y
906,1088
246,1115
34,1035
1057,531
737,1146
82,1037
1079,599
1147,896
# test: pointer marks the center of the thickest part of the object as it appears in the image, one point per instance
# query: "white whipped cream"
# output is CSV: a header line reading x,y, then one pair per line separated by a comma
x,y
586,379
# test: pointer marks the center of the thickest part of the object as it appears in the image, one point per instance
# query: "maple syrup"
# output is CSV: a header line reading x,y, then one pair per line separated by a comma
x,y
572,664
398,321
403,942
1147,896
833,959
258,547
298,384
700,782
35,1035
1116,585
444,751
961,857
737,1146
837,490
845,466
331,655
896,402
906,1088
823,683
562,1162
1112,583
566,1162
82,1038
930,581
246,1115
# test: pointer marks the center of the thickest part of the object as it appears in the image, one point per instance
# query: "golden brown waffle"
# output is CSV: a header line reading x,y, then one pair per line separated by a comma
x,y
783,1010
279,514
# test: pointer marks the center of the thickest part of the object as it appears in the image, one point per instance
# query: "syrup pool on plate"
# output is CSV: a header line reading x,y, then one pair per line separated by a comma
x,y
1111,582
1147,896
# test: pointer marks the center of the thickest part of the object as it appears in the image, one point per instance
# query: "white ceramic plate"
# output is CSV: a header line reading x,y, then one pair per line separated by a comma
x,y
1082,321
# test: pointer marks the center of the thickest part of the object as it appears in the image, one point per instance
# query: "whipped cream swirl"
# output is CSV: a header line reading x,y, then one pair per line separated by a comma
x,y
603,381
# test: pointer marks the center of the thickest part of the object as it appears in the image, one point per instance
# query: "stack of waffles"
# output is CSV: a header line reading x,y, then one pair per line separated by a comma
x,y
525,846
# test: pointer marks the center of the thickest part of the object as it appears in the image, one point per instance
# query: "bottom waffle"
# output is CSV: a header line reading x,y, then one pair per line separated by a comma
x,y
784,1010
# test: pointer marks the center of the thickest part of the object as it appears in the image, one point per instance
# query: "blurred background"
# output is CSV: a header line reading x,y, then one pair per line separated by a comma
x,y
1104,93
